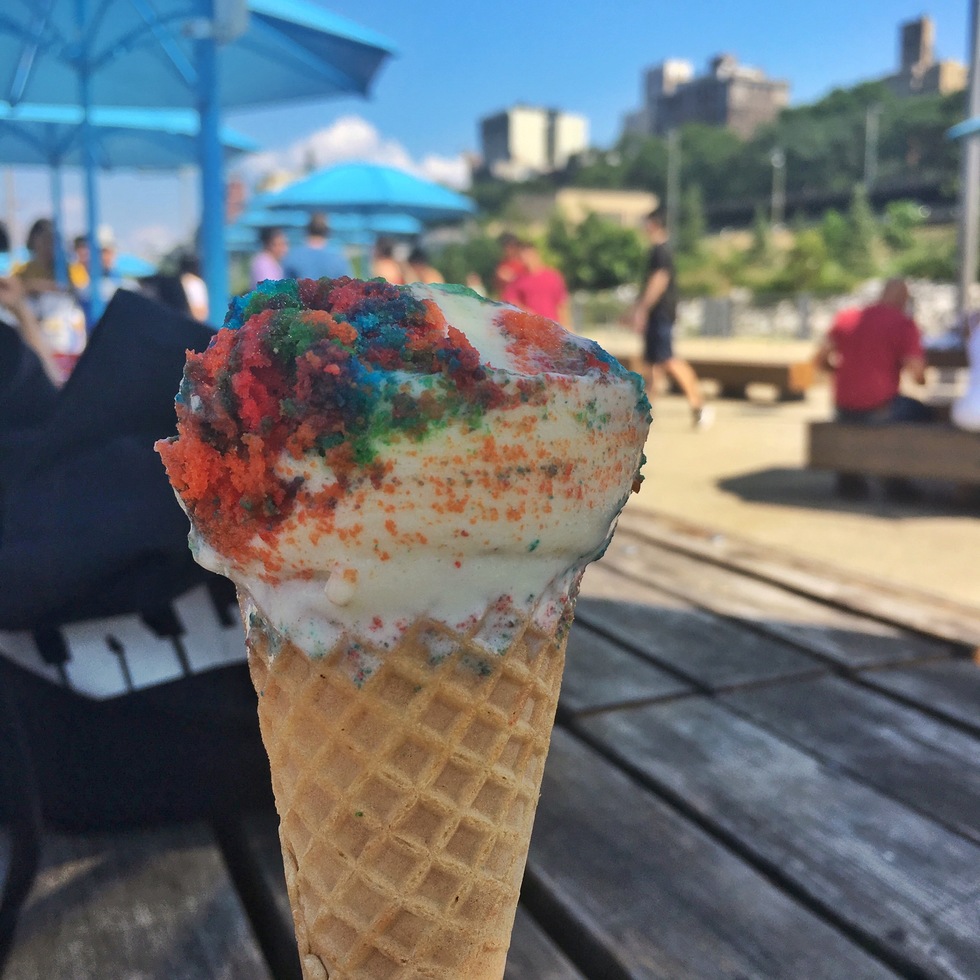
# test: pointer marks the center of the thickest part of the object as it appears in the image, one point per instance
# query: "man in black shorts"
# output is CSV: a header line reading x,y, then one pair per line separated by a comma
x,y
654,315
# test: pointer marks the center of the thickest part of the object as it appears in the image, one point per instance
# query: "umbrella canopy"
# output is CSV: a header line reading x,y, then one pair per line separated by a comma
x,y
345,229
383,223
146,139
371,189
146,54
132,266
966,128
199,54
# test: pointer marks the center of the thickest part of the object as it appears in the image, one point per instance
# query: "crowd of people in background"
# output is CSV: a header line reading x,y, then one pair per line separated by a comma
x,y
54,309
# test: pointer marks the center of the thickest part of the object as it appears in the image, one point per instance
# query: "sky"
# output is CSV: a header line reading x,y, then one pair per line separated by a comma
x,y
459,61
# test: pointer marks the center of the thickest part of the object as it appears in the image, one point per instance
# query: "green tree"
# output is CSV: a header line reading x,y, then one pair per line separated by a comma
x,y
479,254
692,226
597,254
901,220
836,232
761,247
862,227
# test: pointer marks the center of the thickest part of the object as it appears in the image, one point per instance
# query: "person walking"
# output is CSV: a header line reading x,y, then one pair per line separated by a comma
x,y
653,316
316,258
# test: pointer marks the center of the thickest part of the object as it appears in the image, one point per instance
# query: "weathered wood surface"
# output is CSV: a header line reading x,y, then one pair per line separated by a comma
x,y
638,891
948,689
760,770
836,635
915,610
909,888
535,956
937,452
709,652
902,752
153,905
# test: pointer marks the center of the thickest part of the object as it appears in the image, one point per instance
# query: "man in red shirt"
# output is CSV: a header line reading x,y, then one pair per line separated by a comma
x,y
867,350
539,289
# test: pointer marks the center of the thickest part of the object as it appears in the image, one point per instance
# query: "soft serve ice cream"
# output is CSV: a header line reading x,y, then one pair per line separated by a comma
x,y
357,456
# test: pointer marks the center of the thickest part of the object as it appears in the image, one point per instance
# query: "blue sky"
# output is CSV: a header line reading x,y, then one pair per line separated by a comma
x,y
459,61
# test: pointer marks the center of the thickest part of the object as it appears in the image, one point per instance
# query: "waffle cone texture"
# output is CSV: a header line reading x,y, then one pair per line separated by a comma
x,y
406,803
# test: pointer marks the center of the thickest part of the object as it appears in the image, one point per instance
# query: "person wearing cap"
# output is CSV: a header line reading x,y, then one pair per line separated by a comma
x,y
317,257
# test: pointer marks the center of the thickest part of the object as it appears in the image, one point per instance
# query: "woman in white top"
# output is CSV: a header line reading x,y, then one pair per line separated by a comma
x,y
966,409
194,287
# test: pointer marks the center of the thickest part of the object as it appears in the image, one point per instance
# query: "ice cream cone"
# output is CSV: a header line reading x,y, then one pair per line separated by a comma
x,y
406,810
406,484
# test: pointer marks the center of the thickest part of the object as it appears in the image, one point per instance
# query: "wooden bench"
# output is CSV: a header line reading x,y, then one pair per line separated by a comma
x,y
761,768
790,378
913,451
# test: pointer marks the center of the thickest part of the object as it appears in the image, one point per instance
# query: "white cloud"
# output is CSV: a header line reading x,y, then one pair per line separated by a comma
x,y
154,240
352,138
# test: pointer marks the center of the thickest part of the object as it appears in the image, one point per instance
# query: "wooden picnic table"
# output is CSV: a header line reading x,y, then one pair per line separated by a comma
x,y
762,767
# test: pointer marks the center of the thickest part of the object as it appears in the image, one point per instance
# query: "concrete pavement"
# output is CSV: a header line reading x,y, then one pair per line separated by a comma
x,y
746,476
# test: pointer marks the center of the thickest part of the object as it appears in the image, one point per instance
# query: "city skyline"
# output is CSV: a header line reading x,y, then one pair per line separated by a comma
x,y
456,66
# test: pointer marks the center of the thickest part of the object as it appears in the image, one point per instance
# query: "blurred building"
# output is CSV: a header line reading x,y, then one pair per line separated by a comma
x,y
526,140
919,73
628,209
735,96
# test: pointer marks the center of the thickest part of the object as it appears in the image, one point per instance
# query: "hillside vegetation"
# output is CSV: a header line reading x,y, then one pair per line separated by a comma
x,y
839,230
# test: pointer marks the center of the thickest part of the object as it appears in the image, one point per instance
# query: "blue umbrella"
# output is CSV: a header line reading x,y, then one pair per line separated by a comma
x,y
261,215
132,266
147,139
347,229
198,54
368,189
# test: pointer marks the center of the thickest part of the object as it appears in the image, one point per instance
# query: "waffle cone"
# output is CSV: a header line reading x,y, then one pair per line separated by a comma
x,y
406,802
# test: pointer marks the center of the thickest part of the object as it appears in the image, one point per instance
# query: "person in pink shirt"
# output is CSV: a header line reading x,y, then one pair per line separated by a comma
x,y
539,288
267,264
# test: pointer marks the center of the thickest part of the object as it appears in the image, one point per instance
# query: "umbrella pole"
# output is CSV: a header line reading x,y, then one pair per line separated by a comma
x,y
212,178
57,214
89,166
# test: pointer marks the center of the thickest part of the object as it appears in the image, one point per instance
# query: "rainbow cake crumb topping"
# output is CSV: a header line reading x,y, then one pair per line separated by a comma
x,y
357,455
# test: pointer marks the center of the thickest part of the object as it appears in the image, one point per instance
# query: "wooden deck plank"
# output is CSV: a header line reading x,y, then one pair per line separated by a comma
x,y
534,956
600,674
900,751
637,891
950,689
844,638
679,638
145,905
900,605
907,886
